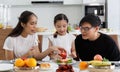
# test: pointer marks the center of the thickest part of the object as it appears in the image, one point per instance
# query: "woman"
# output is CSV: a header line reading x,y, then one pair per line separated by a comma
x,y
22,41
62,38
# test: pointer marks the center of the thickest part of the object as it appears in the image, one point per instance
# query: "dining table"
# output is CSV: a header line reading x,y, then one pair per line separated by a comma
x,y
8,66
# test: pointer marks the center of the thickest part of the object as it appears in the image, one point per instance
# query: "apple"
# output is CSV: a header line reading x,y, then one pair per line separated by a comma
x,y
98,57
63,55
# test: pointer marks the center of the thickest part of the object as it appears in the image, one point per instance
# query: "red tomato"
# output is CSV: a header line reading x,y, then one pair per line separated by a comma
x,y
98,57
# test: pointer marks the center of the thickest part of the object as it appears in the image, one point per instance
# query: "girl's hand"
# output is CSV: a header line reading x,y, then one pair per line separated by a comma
x,y
73,54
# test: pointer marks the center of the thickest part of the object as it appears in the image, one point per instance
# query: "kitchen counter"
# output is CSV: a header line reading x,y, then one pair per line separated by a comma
x,y
52,32
77,33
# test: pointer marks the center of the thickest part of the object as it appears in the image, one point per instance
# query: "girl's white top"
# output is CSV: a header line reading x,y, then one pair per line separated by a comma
x,y
63,41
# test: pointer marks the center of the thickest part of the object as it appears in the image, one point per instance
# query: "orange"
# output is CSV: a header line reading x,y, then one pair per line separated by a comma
x,y
83,65
19,62
31,62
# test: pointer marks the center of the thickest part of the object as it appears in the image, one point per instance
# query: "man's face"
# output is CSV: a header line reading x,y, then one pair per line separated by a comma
x,y
87,31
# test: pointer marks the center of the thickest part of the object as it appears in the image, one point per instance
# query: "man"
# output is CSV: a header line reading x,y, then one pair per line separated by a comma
x,y
91,42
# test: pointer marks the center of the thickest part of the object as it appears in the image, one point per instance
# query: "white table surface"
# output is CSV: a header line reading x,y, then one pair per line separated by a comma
x,y
75,67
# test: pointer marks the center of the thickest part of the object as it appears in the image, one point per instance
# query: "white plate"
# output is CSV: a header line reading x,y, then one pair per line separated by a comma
x,y
5,67
52,66
76,69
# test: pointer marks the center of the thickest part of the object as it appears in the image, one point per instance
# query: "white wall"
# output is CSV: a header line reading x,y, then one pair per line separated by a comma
x,y
46,13
114,14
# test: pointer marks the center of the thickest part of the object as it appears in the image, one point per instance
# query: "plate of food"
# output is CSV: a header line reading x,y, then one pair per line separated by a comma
x,y
6,67
100,64
65,61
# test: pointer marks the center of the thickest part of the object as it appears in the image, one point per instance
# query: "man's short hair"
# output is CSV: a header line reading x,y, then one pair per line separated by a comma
x,y
91,19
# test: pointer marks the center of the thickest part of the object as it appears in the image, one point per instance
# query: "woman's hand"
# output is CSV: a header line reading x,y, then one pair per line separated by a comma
x,y
55,49
55,52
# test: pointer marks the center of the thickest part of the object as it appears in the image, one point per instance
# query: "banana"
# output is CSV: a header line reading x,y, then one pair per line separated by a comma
x,y
99,63
93,61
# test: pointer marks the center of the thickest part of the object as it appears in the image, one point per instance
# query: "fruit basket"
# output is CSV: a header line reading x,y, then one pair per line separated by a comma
x,y
26,69
98,64
25,65
99,70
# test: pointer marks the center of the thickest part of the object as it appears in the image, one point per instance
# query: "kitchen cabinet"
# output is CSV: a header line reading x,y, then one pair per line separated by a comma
x,y
113,15
15,2
93,1
73,2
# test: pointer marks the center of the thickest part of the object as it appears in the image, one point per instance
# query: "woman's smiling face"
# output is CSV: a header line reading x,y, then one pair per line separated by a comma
x,y
30,27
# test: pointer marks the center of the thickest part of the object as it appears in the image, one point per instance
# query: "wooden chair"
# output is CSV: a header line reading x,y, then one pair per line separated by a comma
x,y
40,37
116,39
3,35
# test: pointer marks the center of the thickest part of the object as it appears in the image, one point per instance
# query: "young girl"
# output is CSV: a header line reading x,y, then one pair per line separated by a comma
x,y
23,41
62,38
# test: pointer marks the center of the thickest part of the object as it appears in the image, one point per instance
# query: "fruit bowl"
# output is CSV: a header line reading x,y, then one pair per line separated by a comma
x,y
26,69
25,64
65,68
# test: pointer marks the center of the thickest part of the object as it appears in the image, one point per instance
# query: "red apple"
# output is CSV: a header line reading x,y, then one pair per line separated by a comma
x,y
63,55
98,57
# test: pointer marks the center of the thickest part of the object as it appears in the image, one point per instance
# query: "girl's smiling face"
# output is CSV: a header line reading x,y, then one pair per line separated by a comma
x,y
61,27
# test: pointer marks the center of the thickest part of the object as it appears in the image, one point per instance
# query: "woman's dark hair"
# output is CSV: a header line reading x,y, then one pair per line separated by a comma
x,y
92,19
24,18
59,17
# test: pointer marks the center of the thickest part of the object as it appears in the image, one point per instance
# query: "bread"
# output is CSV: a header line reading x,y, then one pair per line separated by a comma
x,y
45,65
